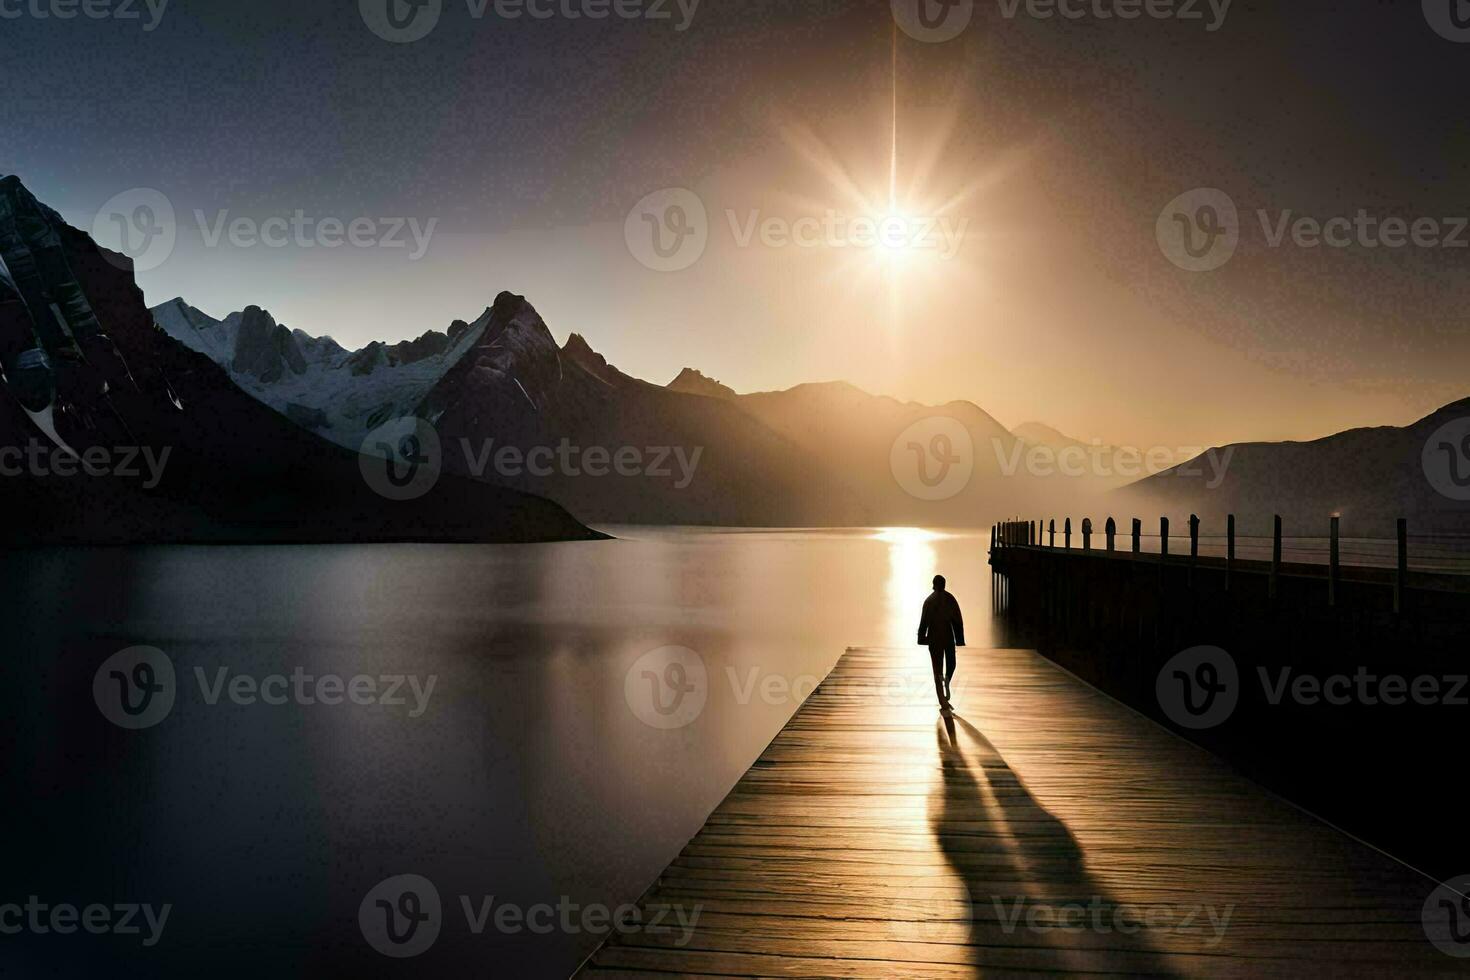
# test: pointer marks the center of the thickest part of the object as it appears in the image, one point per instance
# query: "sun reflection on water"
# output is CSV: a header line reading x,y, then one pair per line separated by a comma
x,y
912,565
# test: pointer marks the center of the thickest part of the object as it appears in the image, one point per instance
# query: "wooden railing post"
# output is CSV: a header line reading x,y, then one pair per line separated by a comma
x,y
1112,532
1163,554
1137,536
1068,532
1229,549
1053,529
1334,559
992,537
1193,546
1086,534
1400,580
1275,558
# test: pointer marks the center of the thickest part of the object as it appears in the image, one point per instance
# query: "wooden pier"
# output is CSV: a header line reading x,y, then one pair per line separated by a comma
x,y
1043,828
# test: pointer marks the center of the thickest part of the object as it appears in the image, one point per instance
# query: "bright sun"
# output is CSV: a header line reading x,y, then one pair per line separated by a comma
x,y
896,237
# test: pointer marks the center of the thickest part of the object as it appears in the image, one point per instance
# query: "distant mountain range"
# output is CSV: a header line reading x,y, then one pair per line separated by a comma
x,y
271,430
1370,477
697,452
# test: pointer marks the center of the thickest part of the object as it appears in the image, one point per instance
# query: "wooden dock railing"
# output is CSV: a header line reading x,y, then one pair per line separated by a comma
x,y
1384,554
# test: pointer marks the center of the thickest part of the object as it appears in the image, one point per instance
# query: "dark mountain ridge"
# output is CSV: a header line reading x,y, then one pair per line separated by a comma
x,y
88,375
1369,476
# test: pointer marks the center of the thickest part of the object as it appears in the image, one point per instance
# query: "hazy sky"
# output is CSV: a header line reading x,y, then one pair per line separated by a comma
x,y
1045,149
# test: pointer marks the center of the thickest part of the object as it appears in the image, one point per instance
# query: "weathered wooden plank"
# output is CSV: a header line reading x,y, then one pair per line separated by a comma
x,y
1042,829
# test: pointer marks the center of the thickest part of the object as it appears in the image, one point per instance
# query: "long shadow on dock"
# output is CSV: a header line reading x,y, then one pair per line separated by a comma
x,y
1069,930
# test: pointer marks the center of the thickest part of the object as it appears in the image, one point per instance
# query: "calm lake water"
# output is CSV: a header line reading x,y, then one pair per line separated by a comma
x,y
546,766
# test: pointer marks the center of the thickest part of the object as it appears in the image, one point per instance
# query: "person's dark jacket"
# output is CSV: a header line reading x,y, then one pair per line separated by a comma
x,y
941,621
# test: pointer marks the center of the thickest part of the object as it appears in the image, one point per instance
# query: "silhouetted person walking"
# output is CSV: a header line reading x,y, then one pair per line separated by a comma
x,y
942,628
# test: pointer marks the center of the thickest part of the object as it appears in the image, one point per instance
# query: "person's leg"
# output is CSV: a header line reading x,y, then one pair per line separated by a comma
x,y
936,659
949,666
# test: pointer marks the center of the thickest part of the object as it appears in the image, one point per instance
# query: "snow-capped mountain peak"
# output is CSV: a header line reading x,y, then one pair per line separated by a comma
x,y
313,380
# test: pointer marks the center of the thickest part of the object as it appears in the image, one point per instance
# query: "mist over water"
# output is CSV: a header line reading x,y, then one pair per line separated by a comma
x,y
532,770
